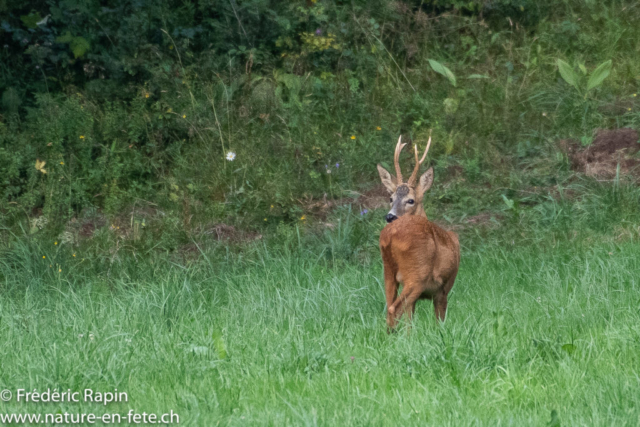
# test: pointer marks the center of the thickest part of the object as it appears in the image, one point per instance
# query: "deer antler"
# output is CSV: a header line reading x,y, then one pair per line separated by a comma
x,y
414,175
396,160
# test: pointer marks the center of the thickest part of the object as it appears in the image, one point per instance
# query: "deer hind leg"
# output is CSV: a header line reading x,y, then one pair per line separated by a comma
x,y
440,299
440,305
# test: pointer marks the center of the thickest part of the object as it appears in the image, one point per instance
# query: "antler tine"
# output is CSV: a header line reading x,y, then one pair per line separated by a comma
x,y
396,160
416,168
424,156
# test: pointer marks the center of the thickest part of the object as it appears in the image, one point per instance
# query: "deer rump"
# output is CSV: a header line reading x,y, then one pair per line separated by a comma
x,y
424,257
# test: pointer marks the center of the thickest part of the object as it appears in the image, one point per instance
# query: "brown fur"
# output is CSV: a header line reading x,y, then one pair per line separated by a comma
x,y
425,258
415,251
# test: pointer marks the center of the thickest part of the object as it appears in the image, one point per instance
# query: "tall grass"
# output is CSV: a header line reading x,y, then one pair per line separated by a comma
x,y
283,334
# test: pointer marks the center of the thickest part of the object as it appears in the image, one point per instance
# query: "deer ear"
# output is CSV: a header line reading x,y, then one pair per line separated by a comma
x,y
388,180
426,180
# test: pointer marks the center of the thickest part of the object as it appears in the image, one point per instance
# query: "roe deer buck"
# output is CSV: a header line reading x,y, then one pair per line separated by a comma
x,y
415,251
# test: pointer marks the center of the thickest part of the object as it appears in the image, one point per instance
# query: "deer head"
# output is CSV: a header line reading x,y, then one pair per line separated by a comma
x,y
406,198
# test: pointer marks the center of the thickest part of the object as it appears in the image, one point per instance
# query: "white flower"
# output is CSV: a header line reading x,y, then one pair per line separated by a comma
x,y
66,237
328,170
231,156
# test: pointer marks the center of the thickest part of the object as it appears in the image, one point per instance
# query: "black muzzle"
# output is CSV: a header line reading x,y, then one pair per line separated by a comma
x,y
390,218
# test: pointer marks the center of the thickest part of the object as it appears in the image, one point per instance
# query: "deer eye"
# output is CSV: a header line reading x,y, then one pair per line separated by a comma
x,y
410,201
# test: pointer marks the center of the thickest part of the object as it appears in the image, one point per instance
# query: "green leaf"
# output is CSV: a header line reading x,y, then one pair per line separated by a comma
x,y
441,69
567,73
219,345
31,20
586,140
582,68
79,46
66,38
508,202
599,74
478,76
569,348
354,84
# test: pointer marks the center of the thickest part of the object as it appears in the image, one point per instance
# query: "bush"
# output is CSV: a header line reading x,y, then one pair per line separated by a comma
x,y
145,101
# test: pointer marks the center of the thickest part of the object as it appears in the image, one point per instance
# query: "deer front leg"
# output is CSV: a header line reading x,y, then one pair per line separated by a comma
x,y
405,302
390,290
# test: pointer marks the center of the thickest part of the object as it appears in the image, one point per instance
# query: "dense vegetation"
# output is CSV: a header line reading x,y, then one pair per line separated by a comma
x,y
139,104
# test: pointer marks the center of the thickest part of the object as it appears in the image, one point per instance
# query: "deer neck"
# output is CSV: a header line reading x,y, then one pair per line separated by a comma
x,y
420,210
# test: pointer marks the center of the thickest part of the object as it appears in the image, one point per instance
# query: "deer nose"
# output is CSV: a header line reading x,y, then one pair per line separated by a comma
x,y
390,218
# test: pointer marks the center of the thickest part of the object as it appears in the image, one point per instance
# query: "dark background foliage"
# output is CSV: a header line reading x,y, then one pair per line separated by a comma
x,y
139,102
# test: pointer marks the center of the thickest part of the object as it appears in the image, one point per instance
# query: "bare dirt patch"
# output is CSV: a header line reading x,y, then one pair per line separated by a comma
x,y
374,198
377,197
483,218
609,149
230,233
454,171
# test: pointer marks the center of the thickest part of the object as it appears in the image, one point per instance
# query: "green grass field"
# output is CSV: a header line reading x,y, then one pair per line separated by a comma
x,y
136,138
542,329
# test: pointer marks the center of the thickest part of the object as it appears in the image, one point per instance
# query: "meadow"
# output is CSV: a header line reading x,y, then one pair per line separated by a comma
x,y
190,209
541,327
